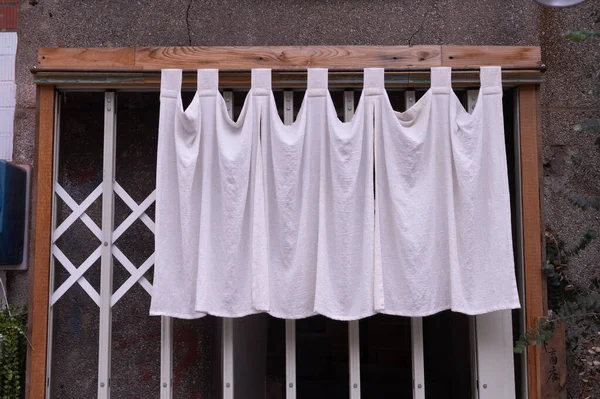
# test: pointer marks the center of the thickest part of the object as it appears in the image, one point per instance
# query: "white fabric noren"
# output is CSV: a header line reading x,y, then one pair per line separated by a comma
x,y
403,213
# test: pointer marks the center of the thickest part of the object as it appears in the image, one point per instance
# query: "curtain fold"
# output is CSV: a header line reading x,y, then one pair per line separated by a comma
x,y
399,213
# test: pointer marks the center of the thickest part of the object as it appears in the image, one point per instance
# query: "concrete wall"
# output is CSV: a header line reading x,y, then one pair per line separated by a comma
x,y
569,94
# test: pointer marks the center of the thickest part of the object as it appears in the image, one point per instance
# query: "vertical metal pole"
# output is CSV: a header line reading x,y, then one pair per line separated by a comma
x,y
57,105
472,96
110,119
227,340
290,325
418,358
492,344
166,358
227,354
348,105
354,347
353,326
290,358
473,356
495,356
288,107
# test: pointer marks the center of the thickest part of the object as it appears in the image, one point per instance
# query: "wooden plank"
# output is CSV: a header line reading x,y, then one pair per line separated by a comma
x,y
86,58
532,229
288,57
554,365
462,56
298,57
41,227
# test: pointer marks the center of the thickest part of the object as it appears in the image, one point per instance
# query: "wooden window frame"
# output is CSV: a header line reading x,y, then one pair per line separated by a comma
x,y
139,67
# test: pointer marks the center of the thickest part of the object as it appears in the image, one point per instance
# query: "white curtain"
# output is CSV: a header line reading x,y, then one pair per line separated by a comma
x,y
404,213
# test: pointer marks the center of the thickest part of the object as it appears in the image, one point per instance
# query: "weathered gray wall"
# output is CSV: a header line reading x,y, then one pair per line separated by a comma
x,y
571,161
569,95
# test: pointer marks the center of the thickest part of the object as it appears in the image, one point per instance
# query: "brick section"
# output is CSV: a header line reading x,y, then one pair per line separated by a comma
x,y
9,17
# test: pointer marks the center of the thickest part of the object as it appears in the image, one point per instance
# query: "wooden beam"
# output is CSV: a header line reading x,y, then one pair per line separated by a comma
x,y
532,228
462,56
87,58
41,227
286,57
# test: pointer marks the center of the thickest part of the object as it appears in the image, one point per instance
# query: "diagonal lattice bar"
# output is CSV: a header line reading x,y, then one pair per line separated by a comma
x,y
136,275
138,211
76,275
78,212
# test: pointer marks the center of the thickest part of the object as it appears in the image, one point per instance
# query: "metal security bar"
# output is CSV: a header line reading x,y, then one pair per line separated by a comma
x,y
166,358
353,326
290,325
472,96
227,326
418,360
106,272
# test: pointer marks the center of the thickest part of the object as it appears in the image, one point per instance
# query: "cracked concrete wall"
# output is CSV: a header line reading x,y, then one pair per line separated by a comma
x,y
569,94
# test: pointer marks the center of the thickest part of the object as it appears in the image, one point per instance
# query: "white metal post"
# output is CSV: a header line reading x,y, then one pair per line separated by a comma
x,y
290,325
495,355
353,326
354,347
227,338
472,96
418,359
55,155
473,356
227,355
166,357
106,273
492,340
290,359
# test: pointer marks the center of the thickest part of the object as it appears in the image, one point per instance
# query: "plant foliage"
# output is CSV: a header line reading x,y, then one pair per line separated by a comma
x,y
12,357
580,35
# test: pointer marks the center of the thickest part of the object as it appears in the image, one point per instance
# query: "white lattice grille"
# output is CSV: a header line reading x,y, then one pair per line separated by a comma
x,y
136,273
78,211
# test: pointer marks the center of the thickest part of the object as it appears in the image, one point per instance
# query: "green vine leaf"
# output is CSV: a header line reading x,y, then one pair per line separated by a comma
x,y
580,35
12,359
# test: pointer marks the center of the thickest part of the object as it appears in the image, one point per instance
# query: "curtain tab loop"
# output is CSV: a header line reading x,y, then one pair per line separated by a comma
x,y
317,81
170,83
373,81
208,79
374,78
317,78
491,79
441,80
261,81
